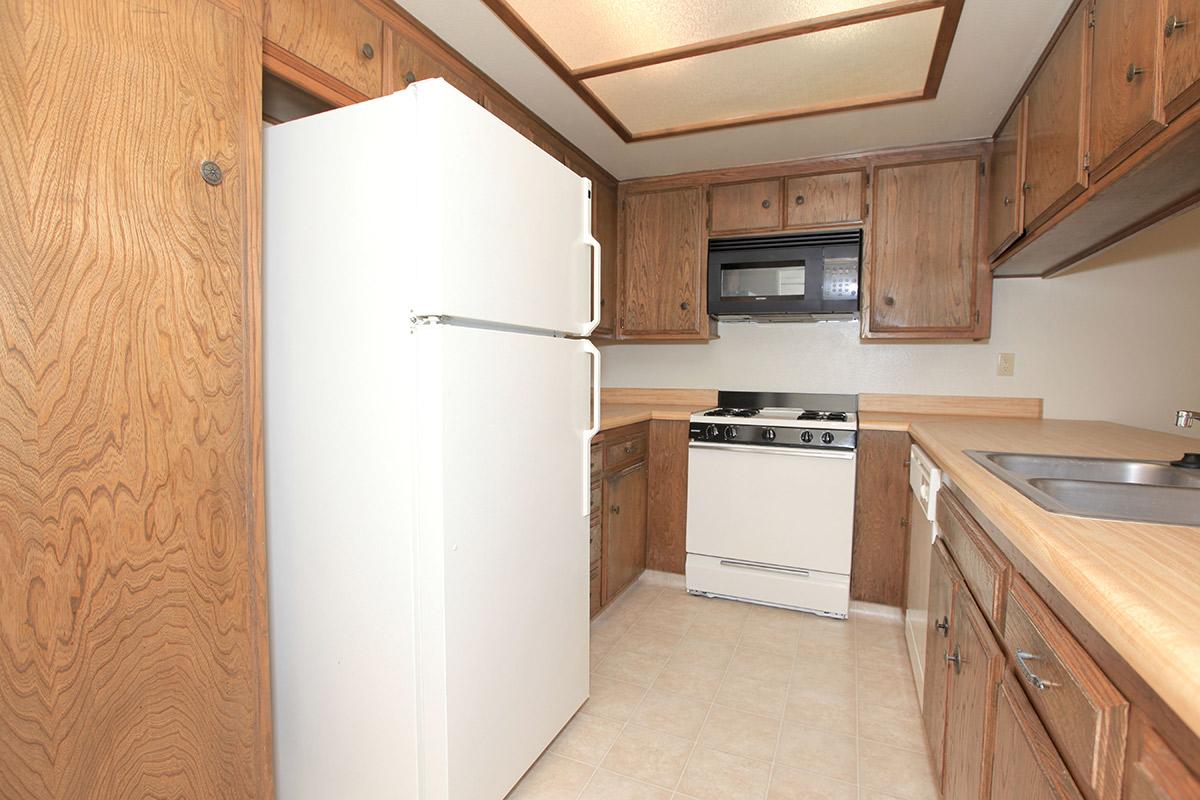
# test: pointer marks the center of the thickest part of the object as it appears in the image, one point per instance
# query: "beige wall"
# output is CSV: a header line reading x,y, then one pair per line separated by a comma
x,y
1117,338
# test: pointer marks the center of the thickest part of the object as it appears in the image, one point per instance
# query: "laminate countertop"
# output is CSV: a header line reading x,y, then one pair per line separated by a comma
x,y
615,415
1136,585
903,421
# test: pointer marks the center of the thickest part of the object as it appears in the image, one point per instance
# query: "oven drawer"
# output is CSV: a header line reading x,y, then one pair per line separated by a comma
x,y
825,592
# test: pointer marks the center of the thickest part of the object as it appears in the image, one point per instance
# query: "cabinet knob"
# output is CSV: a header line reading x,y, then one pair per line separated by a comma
x,y
211,172
368,51
615,509
888,300
409,77
1133,72
943,625
1026,187
799,199
684,306
766,204
1007,200
956,660
1174,23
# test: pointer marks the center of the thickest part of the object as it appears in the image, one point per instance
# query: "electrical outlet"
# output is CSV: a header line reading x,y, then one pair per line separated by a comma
x,y
1004,364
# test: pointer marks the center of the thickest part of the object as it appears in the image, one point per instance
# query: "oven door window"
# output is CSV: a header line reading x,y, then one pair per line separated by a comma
x,y
762,280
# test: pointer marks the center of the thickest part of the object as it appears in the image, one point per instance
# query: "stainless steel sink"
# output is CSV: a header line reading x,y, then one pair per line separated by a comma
x,y
1138,491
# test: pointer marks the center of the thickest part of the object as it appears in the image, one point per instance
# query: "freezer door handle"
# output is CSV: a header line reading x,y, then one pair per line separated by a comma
x,y
591,241
593,429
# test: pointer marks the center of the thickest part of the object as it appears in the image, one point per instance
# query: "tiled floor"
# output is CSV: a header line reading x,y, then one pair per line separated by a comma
x,y
701,699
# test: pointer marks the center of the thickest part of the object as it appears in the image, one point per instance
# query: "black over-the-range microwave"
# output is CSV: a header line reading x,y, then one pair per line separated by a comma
x,y
795,276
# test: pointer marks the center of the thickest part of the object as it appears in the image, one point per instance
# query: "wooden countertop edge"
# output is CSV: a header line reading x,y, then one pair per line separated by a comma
x,y
617,415
902,422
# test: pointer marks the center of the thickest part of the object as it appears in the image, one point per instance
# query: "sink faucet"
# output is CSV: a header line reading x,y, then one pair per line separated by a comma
x,y
1184,419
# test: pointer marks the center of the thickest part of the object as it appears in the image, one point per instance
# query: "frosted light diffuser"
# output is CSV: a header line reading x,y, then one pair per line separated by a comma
x,y
651,69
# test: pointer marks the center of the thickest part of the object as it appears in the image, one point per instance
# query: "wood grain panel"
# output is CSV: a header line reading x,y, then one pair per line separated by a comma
x,y
1056,130
666,516
625,538
745,208
1026,765
1024,407
663,264
1154,771
944,583
408,62
1006,170
879,562
699,398
1181,55
923,250
813,201
132,612
330,35
1126,108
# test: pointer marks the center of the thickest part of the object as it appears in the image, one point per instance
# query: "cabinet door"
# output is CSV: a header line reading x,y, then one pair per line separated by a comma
x,y
604,228
1056,124
745,207
625,547
1024,761
976,663
1153,771
880,550
814,201
663,264
1181,55
923,271
337,37
943,584
409,62
1005,205
1125,110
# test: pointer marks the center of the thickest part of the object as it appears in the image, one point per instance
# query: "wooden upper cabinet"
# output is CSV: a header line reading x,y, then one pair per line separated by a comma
x,y
663,264
522,123
1181,55
625,553
750,207
1125,106
943,584
924,277
409,62
338,37
1005,178
1025,764
819,201
604,228
1057,124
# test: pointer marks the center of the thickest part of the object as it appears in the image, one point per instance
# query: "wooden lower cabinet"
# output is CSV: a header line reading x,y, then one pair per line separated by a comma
x,y
1153,771
881,518
625,546
1025,764
944,582
666,516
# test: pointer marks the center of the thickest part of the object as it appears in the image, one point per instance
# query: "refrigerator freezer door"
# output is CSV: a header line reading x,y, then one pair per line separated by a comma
x,y
508,224
502,550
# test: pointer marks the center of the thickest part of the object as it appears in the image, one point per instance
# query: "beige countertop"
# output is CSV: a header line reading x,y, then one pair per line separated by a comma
x,y
903,421
615,415
1137,585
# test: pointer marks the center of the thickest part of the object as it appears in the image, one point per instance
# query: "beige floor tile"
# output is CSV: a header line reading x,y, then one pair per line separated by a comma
x,y
649,756
833,755
647,639
714,655
674,620
740,733
586,738
832,713
760,664
828,673
883,660
612,698
605,634
757,695
713,775
891,726
594,658
631,666
795,784
689,679
552,778
889,688
771,637
902,774
670,713
606,785
821,690
715,630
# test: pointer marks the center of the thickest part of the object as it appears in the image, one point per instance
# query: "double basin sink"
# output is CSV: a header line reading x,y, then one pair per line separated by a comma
x,y
1136,491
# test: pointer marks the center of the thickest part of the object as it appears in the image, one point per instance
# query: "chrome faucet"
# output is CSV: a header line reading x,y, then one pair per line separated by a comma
x,y
1184,419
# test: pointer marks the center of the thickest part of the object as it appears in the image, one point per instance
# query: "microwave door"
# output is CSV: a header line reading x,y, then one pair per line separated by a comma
x,y
765,281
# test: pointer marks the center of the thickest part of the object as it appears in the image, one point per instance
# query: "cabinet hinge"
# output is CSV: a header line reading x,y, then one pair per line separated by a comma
x,y
866,210
904,522
977,316
1092,15
982,168
1087,161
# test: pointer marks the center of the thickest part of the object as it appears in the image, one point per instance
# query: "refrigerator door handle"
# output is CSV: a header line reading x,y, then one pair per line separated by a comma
x,y
590,349
594,244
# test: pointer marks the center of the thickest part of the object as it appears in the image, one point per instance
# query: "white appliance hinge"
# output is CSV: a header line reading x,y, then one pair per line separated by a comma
x,y
420,320
1087,161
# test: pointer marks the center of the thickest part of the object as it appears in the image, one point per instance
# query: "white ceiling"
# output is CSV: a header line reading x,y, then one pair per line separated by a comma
x,y
996,46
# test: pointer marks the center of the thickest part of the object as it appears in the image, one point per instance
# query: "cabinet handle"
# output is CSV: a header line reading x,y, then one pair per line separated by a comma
x,y
628,449
1030,676
409,77
1174,23
766,203
888,300
684,306
956,660
1133,72
368,51
943,625
799,199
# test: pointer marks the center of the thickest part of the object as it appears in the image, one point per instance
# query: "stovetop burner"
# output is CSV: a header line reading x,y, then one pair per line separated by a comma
x,y
733,412
829,416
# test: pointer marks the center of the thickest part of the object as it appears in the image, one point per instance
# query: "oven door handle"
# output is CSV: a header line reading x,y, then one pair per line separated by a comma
x,y
787,451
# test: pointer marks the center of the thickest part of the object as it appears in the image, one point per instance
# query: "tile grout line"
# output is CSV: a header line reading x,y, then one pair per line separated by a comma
x,y
783,712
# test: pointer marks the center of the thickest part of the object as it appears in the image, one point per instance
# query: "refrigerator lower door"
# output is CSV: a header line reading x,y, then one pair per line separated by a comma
x,y
501,558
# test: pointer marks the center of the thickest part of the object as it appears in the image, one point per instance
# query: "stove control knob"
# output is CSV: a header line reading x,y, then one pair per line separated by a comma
x,y
827,437
806,437
710,432
731,432
768,434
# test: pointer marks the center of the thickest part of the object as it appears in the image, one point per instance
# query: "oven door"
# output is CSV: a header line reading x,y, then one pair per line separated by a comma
x,y
788,507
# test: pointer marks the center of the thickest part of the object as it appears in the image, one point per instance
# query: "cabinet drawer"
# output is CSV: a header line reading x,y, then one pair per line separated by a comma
x,y
625,451
342,39
597,459
984,568
594,539
746,207
1085,714
597,499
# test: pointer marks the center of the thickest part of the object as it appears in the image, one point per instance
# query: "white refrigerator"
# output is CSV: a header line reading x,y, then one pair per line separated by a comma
x,y
427,425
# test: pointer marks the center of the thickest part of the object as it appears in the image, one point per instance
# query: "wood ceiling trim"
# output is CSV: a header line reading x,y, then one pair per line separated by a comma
x,y
894,8
952,12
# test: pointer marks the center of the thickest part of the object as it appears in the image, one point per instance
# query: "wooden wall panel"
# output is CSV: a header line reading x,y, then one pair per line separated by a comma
x,y
880,560
133,657
667,513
